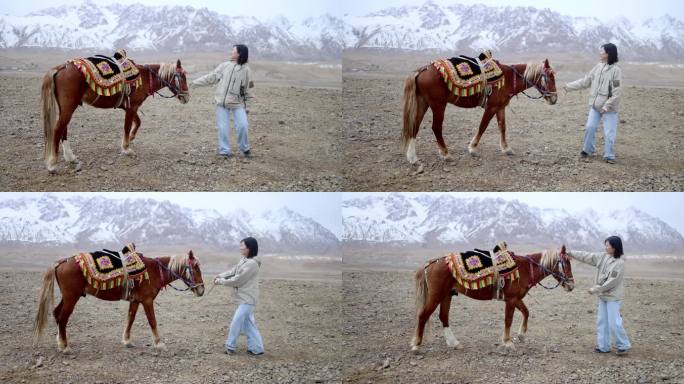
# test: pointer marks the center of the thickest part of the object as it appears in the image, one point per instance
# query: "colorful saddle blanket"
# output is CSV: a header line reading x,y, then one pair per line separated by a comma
x,y
107,76
475,269
104,269
464,77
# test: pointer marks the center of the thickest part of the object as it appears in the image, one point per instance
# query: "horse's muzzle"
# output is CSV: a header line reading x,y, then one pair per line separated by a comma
x,y
199,290
184,98
569,285
553,99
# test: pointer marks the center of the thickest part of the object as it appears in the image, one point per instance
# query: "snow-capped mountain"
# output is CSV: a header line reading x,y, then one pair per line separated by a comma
x,y
447,220
102,222
510,30
139,27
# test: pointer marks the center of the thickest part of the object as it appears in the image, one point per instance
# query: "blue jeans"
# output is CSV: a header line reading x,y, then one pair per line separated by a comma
x,y
244,322
610,121
241,126
609,326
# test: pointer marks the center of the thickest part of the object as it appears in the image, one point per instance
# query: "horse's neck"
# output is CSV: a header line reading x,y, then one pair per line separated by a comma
x,y
519,82
538,273
165,277
156,83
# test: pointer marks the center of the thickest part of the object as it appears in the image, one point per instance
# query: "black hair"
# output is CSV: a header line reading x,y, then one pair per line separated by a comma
x,y
611,50
252,245
616,243
243,53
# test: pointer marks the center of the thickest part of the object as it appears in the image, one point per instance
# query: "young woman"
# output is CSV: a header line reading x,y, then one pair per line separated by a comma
x,y
231,96
605,80
609,286
244,278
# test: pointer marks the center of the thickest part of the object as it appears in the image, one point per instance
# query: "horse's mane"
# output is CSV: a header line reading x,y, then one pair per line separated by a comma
x,y
533,71
549,258
167,71
177,264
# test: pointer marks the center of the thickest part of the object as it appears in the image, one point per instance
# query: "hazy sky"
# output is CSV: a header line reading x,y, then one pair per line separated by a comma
x,y
298,9
320,206
602,9
667,206
262,9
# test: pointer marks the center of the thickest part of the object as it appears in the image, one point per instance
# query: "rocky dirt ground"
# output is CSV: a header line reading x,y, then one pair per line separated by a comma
x,y
379,311
298,319
294,128
546,138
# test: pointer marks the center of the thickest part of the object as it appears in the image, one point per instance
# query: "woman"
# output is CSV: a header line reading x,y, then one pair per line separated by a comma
x,y
605,80
244,278
609,286
234,81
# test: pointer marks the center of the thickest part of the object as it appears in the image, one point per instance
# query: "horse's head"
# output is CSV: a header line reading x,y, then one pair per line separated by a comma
x,y
547,83
180,82
562,270
194,275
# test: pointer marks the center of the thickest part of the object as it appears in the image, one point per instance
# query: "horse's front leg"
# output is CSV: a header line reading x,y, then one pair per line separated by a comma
x,y
132,309
136,125
486,118
501,119
437,125
523,325
149,312
506,340
125,142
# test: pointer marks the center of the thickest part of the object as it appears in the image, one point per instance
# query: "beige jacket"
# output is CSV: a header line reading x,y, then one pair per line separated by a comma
x,y
230,76
244,278
610,274
606,86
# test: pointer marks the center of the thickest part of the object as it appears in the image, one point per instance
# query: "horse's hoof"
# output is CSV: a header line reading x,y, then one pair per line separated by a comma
x,y
415,349
128,344
160,346
52,169
419,169
473,152
127,152
509,346
521,338
508,151
66,351
78,166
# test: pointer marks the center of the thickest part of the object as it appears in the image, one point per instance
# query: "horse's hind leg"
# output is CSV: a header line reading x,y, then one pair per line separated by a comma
x,y
152,320
444,318
523,325
421,109
66,110
66,307
438,110
132,309
501,119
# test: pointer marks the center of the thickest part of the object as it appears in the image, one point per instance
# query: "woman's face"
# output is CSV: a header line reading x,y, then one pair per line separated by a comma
x,y
609,249
244,251
234,55
603,55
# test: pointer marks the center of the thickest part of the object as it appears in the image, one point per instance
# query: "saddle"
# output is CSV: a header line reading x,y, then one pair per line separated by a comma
x,y
108,76
476,269
467,76
105,269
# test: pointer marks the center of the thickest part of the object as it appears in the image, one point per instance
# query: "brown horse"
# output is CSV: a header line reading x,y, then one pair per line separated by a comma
x,y
435,285
425,89
162,271
64,89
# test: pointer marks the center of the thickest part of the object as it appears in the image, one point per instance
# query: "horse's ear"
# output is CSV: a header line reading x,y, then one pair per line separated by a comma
x,y
190,255
562,251
178,64
546,63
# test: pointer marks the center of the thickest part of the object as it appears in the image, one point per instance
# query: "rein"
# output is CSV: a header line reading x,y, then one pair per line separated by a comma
x,y
560,276
543,91
188,269
175,89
